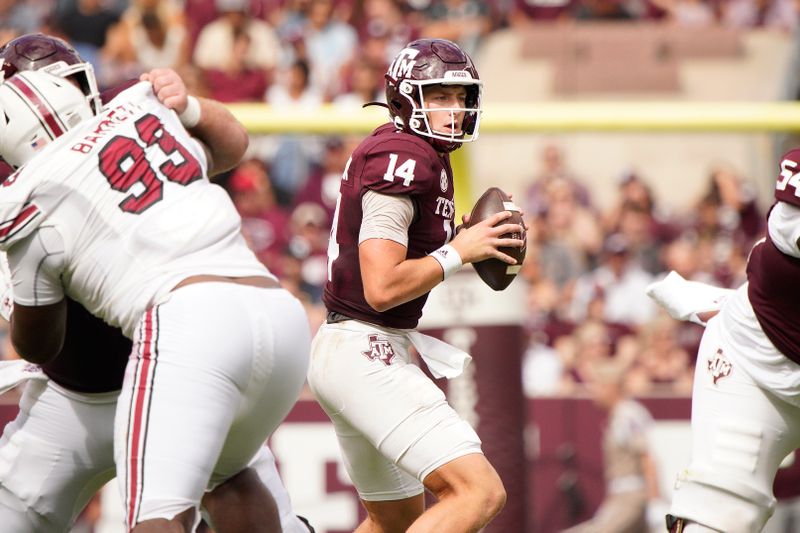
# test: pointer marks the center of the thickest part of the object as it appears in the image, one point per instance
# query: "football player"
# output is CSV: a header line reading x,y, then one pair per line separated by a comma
x,y
78,400
393,239
126,167
746,396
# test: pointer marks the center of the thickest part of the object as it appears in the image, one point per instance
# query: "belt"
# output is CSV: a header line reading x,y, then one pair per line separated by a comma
x,y
334,317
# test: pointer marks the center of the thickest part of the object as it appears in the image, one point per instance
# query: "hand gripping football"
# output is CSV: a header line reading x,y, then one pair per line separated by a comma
x,y
495,273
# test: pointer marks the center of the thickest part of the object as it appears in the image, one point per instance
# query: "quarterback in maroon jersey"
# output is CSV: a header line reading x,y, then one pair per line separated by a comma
x,y
68,420
746,397
393,239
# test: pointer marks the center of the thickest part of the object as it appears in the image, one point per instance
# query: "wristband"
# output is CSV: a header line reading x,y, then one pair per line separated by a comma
x,y
191,115
448,258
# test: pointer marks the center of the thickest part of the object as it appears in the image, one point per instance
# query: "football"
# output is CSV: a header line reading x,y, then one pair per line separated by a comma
x,y
495,273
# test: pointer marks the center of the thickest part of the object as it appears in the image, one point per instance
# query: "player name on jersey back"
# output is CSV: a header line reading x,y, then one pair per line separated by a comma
x,y
128,194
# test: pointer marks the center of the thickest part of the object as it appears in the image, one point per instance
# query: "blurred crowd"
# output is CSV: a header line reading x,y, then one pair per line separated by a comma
x,y
305,52
587,267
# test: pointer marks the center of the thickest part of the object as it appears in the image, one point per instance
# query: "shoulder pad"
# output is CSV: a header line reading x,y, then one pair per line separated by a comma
x,y
400,163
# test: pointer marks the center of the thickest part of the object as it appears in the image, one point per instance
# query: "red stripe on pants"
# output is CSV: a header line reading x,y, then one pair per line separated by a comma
x,y
139,422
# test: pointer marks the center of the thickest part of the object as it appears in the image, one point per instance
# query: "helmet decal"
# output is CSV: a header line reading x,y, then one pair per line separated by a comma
x,y
403,64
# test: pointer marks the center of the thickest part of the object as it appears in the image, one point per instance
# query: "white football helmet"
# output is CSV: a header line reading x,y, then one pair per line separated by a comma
x,y
36,51
37,108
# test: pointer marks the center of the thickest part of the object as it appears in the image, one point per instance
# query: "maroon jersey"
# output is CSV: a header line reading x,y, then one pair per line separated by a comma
x,y
94,354
772,275
774,294
388,162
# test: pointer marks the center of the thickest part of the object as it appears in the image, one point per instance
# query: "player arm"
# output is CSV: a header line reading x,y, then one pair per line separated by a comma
x,y
38,323
224,137
389,277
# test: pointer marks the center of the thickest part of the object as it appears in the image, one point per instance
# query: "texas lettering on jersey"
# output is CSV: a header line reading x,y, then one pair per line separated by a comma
x,y
396,163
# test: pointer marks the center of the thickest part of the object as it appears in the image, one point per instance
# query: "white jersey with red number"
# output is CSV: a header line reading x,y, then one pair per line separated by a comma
x,y
116,212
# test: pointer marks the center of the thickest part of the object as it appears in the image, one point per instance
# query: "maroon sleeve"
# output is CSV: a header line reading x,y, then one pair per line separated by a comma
x,y
787,187
109,94
398,166
5,171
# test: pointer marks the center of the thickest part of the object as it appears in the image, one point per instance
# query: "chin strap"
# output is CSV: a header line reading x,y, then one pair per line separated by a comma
x,y
379,104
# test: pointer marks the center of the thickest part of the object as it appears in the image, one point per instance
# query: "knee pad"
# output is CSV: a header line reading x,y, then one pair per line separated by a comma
x,y
718,503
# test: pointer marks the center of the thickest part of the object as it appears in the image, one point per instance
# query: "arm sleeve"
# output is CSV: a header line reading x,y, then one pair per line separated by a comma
x,y
784,228
36,263
386,216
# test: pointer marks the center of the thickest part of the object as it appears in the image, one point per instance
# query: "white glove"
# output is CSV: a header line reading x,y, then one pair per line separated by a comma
x,y
685,300
6,292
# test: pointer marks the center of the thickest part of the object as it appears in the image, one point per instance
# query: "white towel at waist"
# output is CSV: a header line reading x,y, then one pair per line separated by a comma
x,y
13,373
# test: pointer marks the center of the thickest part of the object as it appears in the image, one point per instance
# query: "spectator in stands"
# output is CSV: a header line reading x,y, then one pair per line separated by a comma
x,y
568,224
292,88
589,345
329,46
309,243
463,21
17,18
559,259
630,473
687,13
150,34
542,368
553,167
602,10
265,224
636,216
662,365
622,283
524,12
387,24
729,207
237,53
364,84
777,14
85,23
291,162
322,185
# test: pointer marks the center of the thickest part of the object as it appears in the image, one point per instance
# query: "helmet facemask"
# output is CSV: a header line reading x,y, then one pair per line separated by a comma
x,y
83,74
419,121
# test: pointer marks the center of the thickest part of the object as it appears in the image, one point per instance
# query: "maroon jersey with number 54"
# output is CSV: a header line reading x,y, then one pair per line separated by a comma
x,y
388,162
772,275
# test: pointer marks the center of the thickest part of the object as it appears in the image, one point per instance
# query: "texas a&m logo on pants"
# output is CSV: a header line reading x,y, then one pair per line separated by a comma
x,y
719,367
379,348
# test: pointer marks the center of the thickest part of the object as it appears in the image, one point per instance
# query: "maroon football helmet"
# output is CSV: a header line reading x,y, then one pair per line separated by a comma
x,y
432,62
35,51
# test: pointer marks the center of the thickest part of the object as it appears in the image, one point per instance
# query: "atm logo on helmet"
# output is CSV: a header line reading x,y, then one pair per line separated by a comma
x,y
403,64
